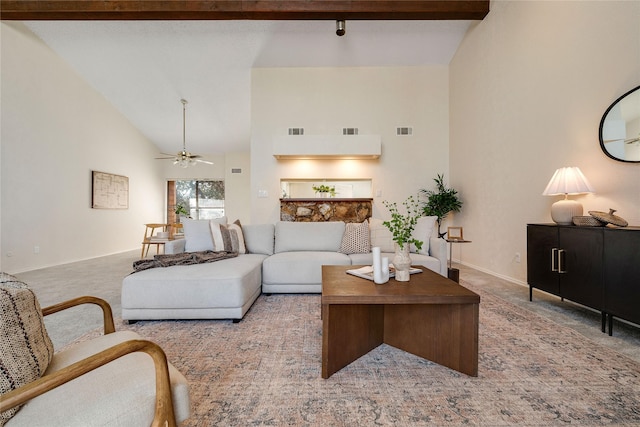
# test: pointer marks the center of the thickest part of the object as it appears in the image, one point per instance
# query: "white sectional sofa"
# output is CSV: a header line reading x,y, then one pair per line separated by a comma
x,y
281,258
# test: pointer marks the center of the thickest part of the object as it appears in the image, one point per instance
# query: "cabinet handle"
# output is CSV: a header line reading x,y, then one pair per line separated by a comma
x,y
554,267
560,258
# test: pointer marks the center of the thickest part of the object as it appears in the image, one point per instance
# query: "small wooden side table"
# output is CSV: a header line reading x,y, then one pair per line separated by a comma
x,y
454,273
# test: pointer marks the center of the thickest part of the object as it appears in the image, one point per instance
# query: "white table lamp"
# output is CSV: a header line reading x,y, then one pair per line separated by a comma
x,y
565,181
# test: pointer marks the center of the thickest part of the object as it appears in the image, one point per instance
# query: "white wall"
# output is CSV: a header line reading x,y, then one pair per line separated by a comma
x,y
55,131
375,100
529,85
237,194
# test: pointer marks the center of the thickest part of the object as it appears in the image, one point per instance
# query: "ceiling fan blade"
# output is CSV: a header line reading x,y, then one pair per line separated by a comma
x,y
632,140
204,161
165,158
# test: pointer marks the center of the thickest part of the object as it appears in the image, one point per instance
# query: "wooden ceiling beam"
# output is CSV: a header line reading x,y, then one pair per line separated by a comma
x,y
26,10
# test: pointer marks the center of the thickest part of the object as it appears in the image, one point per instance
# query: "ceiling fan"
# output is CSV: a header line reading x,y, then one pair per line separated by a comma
x,y
626,141
184,158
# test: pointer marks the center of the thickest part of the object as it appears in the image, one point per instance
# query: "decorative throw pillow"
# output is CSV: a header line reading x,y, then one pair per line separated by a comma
x,y
226,239
356,238
381,236
197,234
423,232
237,227
25,347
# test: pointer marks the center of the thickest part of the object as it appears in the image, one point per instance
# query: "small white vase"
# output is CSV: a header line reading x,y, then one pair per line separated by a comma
x,y
402,263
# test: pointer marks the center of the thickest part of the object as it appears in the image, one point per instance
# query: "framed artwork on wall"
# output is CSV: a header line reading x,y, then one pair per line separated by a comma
x,y
109,191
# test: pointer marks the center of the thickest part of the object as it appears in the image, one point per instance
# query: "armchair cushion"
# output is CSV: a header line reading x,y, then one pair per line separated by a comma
x,y
25,346
120,393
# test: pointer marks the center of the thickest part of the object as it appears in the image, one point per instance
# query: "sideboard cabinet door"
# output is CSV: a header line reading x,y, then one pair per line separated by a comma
x,y
542,244
622,273
581,265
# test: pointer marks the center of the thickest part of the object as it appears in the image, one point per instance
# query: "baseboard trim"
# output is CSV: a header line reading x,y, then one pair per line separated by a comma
x,y
493,273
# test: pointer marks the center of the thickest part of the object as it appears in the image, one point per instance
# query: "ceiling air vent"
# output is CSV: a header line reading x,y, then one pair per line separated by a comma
x,y
296,131
405,131
349,131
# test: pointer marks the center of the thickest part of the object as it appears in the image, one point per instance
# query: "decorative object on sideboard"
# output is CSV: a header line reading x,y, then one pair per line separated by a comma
x,y
440,202
184,158
609,218
587,221
401,227
565,181
619,132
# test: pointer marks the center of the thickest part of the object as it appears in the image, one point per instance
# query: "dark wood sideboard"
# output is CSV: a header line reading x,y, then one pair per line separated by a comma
x,y
598,267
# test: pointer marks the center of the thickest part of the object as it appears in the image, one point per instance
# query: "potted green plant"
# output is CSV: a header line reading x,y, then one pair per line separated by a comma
x,y
401,226
181,211
440,202
324,190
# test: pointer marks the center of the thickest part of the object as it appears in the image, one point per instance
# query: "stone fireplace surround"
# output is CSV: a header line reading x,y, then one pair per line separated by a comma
x,y
325,209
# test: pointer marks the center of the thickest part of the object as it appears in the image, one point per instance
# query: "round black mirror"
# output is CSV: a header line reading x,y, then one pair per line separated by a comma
x,y
620,128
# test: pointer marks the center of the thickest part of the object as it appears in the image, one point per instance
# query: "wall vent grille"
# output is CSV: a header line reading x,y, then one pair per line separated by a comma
x,y
296,131
236,170
349,131
404,131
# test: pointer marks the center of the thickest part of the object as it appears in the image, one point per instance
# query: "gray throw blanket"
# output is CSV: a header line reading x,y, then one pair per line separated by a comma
x,y
185,258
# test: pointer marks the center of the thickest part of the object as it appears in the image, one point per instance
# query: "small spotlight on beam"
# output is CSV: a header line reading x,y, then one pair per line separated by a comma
x,y
340,28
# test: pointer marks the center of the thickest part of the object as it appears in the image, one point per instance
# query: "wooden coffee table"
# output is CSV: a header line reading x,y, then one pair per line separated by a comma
x,y
430,316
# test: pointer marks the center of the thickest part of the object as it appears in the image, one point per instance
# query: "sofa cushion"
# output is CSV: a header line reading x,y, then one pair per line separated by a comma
x,y
225,284
299,268
197,234
356,238
423,232
308,236
381,236
259,238
25,346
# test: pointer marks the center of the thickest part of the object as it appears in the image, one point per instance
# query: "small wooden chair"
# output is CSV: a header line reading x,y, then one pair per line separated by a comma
x,y
148,234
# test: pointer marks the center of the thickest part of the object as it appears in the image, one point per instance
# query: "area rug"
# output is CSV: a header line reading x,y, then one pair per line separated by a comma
x,y
265,371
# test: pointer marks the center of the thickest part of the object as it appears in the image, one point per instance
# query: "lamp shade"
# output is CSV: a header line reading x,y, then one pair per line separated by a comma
x,y
569,180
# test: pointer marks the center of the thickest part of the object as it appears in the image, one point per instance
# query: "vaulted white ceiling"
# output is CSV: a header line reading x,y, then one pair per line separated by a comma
x,y
144,68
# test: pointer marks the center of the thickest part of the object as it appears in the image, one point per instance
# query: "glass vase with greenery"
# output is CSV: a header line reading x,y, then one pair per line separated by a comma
x,y
402,225
440,201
